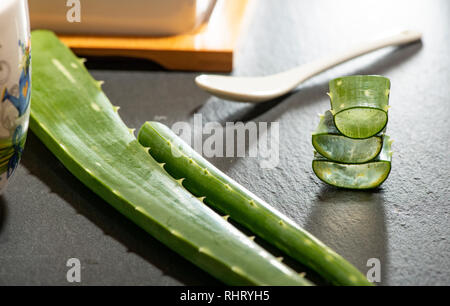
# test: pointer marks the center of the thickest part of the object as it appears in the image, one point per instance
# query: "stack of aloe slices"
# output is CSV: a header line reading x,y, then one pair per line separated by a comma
x,y
352,149
168,197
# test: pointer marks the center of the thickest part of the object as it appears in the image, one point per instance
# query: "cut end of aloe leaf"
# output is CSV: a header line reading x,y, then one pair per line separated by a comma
x,y
359,104
347,150
352,176
332,145
360,122
356,176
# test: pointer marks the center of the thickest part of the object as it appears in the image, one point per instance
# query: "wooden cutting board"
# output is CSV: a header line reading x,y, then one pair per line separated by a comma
x,y
209,48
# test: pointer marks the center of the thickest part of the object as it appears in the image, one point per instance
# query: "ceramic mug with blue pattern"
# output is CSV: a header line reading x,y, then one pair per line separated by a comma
x,y
15,84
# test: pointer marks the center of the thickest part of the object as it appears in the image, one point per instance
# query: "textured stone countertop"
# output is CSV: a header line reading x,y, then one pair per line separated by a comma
x,y
47,216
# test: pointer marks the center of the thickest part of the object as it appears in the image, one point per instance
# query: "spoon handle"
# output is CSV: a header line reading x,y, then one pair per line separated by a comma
x,y
305,72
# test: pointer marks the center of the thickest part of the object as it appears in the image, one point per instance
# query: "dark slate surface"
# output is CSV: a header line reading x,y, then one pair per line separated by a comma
x,y
47,216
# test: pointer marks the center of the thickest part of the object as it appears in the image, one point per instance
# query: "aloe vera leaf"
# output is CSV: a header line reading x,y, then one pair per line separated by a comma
x,y
356,176
359,104
332,145
75,120
226,195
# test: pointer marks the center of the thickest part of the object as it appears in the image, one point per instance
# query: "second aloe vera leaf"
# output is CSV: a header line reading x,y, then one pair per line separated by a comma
x,y
334,146
356,176
223,193
360,104
75,120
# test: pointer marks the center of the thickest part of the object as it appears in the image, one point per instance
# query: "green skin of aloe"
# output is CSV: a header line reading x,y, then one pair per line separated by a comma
x,y
359,104
224,194
71,115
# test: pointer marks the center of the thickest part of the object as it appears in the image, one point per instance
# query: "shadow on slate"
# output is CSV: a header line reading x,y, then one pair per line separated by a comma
x,y
121,63
3,213
99,212
352,222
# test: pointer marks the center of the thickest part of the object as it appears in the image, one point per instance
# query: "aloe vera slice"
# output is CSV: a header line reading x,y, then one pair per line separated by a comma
x,y
75,120
332,145
359,104
355,176
223,193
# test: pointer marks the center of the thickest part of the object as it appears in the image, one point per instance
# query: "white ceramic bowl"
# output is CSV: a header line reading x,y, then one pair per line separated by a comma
x,y
119,17
15,84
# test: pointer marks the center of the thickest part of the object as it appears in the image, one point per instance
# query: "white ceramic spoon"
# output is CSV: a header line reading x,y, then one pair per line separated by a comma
x,y
259,89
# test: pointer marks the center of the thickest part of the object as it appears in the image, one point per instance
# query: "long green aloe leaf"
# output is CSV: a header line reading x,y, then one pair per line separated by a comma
x,y
334,146
221,192
75,120
356,176
359,104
